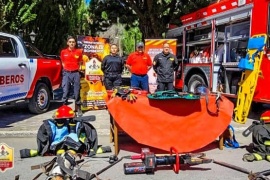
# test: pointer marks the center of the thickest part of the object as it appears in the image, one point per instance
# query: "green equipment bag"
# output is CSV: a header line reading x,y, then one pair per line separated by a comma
x,y
162,95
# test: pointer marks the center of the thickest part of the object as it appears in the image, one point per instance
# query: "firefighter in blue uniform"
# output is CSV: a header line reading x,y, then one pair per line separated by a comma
x,y
112,67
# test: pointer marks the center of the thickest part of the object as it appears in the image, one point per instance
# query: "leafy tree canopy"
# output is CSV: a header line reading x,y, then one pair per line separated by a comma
x,y
16,15
151,16
51,20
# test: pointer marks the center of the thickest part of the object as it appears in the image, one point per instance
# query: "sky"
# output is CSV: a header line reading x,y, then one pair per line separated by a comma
x,y
87,1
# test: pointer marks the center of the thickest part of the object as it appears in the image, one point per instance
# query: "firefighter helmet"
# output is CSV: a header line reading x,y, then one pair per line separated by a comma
x,y
265,117
64,112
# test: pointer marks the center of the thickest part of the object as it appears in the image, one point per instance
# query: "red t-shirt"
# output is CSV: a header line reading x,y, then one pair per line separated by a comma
x,y
71,59
139,63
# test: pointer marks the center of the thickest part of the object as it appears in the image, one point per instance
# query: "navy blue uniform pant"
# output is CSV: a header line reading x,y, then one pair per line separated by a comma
x,y
71,78
112,80
165,86
140,81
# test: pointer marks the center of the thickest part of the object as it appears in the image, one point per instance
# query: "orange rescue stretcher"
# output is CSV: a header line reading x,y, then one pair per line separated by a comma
x,y
187,125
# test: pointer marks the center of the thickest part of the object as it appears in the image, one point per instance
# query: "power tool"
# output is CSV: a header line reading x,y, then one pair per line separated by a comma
x,y
150,161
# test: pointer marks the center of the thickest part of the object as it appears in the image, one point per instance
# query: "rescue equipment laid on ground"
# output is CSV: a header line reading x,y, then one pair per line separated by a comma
x,y
251,175
251,71
69,164
65,166
66,132
150,161
230,141
83,138
260,146
168,119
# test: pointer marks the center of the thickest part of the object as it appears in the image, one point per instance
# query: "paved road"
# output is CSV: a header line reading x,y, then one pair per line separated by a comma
x,y
16,121
203,172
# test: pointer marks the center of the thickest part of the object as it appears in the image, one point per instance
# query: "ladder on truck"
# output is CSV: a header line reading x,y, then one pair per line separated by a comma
x,y
251,66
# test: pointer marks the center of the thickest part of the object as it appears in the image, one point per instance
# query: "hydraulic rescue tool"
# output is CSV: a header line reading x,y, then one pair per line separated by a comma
x,y
150,161
66,166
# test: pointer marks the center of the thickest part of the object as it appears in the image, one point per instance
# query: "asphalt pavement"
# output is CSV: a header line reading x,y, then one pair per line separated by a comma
x,y
209,171
16,121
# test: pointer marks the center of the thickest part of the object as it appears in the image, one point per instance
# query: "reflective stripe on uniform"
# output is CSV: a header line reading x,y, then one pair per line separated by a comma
x,y
257,157
267,143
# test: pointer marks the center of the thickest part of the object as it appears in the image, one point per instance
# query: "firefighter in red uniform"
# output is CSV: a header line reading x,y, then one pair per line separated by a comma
x,y
71,61
139,63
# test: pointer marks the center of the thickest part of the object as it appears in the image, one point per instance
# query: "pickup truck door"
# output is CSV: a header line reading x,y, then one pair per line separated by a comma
x,y
14,70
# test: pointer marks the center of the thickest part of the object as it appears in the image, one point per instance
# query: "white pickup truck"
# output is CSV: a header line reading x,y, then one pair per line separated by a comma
x,y
27,74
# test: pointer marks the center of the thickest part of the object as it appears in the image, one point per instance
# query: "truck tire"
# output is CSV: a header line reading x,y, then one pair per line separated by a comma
x,y
194,81
40,101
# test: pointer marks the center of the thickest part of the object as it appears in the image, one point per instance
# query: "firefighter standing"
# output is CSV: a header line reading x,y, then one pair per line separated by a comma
x,y
112,67
138,64
71,61
164,64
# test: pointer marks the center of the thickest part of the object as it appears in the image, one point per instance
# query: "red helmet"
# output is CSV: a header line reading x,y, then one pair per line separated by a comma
x,y
64,112
265,117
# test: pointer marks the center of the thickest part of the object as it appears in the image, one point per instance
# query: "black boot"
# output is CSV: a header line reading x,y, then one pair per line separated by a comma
x,y
26,153
64,101
78,110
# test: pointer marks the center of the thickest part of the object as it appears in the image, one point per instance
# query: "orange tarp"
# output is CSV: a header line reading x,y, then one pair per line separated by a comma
x,y
184,124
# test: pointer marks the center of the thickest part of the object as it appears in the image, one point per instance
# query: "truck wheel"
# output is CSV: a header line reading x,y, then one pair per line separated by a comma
x,y
40,101
194,81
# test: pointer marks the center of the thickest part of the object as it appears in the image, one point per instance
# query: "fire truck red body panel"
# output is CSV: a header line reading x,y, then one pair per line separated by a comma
x,y
257,18
259,25
211,10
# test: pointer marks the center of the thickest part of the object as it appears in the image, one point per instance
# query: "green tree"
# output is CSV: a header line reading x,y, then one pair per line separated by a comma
x,y
51,20
16,15
56,20
130,38
2,15
152,16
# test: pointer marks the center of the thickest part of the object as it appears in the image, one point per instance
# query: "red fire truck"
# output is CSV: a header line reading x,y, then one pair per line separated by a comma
x,y
213,39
